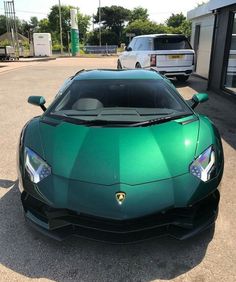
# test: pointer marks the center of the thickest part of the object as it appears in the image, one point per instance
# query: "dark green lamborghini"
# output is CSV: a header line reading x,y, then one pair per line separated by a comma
x,y
120,156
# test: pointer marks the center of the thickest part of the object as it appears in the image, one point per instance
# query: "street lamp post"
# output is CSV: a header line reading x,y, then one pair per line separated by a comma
x,y
100,32
60,26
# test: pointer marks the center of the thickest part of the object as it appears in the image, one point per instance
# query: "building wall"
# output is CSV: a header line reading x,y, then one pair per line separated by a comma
x,y
205,42
222,37
215,60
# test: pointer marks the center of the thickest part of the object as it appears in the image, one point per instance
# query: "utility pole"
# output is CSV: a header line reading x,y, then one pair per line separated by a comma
x,y
16,31
60,27
100,32
11,24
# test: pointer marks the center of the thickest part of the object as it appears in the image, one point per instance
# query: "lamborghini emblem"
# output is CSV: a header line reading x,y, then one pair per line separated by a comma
x,y
120,197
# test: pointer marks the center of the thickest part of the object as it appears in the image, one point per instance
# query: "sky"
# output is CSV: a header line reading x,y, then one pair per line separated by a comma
x,y
159,10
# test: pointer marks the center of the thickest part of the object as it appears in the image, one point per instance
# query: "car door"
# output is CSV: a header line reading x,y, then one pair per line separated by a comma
x,y
127,57
143,47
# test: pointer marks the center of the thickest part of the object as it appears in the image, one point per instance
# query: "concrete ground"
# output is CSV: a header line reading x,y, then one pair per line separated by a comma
x,y
26,254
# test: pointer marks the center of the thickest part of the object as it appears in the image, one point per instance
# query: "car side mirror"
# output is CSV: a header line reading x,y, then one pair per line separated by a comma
x,y
128,49
37,101
198,99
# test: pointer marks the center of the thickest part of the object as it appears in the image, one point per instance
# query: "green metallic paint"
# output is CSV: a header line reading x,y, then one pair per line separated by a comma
x,y
150,164
132,156
118,74
200,97
141,200
36,100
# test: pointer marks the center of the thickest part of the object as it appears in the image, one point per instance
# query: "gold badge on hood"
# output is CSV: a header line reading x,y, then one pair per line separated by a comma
x,y
120,197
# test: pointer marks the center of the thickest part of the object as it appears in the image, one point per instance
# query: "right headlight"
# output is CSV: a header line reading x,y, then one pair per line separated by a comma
x,y
203,166
37,168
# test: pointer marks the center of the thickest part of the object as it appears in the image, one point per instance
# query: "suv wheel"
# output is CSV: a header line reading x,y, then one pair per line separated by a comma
x,y
119,66
138,66
182,78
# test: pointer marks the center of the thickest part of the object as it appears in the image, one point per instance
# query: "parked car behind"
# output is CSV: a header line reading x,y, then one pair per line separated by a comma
x,y
7,53
170,54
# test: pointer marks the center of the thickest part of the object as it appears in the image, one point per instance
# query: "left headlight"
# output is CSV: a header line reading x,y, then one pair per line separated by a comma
x,y
37,168
203,166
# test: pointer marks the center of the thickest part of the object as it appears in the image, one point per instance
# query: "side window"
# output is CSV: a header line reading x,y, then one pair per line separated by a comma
x,y
132,43
143,44
138,44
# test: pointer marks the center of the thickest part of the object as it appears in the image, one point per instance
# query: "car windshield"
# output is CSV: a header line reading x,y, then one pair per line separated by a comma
x,y
171,43
119,100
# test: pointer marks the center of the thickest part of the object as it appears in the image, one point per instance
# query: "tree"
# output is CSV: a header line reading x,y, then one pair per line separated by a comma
x,y
83,24
108,37
34,22
24,28
186,28
175,20
28,28
138,13
140,27
54,26
114,19
44,26
3,27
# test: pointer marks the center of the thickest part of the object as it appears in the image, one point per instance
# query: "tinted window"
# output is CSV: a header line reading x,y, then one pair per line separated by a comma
x,y
143,44
230,73
171,43
85,95
233,42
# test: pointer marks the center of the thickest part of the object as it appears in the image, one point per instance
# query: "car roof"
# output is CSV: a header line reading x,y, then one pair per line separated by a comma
x,y
116,74
160,35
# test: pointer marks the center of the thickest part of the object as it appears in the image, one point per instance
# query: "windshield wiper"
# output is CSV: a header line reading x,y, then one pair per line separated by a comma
x,y
159,120
94,122
65,117
101,122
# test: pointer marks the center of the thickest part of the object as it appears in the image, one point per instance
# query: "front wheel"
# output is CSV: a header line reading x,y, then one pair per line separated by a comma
x,y
182,78
138,66
119,66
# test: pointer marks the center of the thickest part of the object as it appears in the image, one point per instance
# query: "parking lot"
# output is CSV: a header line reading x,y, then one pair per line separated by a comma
x,y
26,254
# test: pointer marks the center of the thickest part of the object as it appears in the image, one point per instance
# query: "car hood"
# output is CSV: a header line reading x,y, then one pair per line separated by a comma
x,y
107,156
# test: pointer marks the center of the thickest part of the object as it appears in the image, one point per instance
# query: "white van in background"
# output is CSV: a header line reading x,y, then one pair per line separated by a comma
x,y
170,54
42,44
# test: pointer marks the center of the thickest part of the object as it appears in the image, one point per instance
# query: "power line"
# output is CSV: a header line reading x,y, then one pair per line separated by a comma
x,y
27,12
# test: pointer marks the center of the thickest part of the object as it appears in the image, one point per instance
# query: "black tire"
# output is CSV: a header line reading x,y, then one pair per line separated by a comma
x,y
138,66
182,78
119,66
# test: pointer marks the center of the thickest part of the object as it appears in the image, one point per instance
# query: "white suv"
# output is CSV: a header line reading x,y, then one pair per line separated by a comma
x,y
170,54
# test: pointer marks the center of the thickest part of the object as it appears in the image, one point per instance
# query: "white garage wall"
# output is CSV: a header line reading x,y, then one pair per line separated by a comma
x,y
205,41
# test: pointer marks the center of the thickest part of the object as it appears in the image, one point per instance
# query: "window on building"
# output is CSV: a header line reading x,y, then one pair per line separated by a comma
x,y
230,76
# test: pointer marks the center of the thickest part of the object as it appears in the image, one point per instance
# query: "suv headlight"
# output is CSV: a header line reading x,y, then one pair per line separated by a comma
x,y
37,168
203,166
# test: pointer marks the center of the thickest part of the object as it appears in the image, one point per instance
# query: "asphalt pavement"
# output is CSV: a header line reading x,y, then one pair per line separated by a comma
x,y
26,254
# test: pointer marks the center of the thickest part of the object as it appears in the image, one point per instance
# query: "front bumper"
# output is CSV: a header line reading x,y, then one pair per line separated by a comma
x,y
180,223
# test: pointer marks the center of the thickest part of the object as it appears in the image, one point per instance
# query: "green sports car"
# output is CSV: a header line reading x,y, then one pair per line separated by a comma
x,y
120,156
